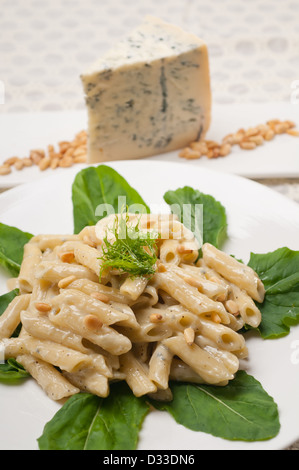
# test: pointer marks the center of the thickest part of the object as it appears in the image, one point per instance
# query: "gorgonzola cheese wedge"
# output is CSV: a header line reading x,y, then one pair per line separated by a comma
x,y
150,94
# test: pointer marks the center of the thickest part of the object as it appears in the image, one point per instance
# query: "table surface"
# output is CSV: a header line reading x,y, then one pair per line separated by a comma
x,y
253,51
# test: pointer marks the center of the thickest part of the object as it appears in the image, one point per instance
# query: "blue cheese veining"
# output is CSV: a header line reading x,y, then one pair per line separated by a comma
x,y
150,94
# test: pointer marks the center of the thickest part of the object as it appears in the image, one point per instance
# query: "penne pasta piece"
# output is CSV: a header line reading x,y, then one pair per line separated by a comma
x,y
31,259
48,378
42,328
48,351
149,297
88,257
91,287
159,366
50,241
229,359
224,337
89,381
181,372
90,305
130,321
205,365
141,350
55,271
136,375
89,236
150,329
169,253
247,308
204,341
194,276
10,318
102,335
133,288
189,296
234,271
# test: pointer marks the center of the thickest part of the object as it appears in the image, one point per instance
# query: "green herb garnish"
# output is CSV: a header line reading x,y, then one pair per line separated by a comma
x,y
133,252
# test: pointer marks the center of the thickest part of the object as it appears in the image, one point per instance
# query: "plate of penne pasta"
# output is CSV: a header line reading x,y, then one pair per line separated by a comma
x,y
157,298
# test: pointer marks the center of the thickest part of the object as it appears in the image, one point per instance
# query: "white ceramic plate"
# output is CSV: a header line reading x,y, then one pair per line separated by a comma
x,y
278,158
259,220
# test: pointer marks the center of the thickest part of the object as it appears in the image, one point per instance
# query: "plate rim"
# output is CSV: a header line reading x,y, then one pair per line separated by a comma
x,y
13,191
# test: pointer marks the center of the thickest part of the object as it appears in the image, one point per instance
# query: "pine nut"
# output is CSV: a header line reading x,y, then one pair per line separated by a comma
x,y
201,147
251,132
269,135
190,154
273,122
247,145
27,162
291,124
80,159
66,281
5,170
161,268
66,161
43,307
281,128
67,256
216,152
224,150
237,138
44,163
211,144
99,296
35,157
69,152
19,165
78,152
215,317
54,163
11,161
257,139
156,317
63,146
228,139
189,335
91,322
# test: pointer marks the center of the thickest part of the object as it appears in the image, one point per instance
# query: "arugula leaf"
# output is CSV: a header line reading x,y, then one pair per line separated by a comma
x,y
95,186
12,241
12,371
241,410
279,271
88,422
214,223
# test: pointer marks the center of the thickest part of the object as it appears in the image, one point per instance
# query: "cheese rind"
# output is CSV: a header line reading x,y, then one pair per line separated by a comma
x,y
149,95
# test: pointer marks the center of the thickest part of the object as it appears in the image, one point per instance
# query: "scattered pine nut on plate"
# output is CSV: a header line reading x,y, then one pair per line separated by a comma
x,y
74,152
